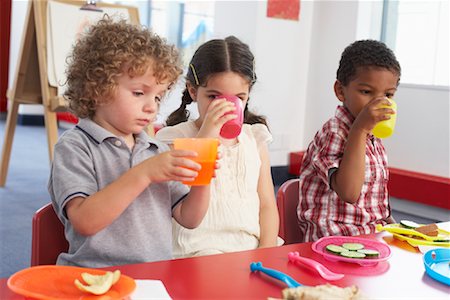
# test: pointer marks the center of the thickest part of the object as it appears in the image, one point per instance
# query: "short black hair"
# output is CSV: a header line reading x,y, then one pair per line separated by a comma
x,y
366,53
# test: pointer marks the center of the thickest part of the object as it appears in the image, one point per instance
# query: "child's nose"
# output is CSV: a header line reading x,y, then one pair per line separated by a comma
x,y
151,105
381,96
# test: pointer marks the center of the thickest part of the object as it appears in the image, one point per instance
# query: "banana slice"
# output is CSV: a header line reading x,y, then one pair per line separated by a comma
x,y
97,284
91,279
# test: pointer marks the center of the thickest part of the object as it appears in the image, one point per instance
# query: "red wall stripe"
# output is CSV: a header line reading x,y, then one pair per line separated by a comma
x,y
418,187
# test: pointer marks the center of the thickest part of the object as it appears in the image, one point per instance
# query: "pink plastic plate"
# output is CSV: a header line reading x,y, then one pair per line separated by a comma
x,y
319,247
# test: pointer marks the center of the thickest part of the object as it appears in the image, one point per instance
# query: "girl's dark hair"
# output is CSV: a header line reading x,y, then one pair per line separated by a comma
x,y
216,56
366,53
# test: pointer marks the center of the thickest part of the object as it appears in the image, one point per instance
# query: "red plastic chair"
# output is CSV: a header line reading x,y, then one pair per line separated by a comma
x,y
48,239
287,201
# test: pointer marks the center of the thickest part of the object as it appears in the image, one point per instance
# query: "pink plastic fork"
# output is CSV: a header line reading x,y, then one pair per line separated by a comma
x,y
321,269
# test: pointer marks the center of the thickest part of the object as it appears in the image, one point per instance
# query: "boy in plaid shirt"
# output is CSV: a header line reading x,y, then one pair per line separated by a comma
x,y
344,174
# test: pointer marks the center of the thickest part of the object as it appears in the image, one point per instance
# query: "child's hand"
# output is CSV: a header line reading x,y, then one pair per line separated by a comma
x,y
215,117
373,113
217,164
172,165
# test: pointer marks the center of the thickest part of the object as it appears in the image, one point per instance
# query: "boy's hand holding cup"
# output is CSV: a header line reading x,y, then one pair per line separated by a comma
x,y
385,128
207,155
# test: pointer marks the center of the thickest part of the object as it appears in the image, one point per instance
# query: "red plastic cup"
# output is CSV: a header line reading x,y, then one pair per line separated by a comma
x,y
232,128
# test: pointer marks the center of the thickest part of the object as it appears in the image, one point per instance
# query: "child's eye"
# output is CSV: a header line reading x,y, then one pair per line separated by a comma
x,y
212,97
158,99
365,92
390,95
137,93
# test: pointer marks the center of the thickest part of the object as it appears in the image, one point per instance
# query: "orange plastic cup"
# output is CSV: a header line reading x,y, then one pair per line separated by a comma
x,y
207,154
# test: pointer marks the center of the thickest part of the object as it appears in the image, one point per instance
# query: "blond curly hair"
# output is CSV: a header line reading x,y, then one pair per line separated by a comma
x,y
105,52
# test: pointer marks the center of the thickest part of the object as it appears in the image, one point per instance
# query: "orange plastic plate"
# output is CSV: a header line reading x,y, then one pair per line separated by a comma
x,y
57,282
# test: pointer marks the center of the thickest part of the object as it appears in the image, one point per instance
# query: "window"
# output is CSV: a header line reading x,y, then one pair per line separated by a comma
x,y
184,23
418,33
198,22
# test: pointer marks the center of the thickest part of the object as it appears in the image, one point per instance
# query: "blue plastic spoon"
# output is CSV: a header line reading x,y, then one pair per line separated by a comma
x,y
289,281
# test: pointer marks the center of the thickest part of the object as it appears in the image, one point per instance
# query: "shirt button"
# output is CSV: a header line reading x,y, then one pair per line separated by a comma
x,y
117,143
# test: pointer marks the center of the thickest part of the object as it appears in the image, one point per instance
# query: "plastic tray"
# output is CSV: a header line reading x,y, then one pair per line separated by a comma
x,y
415,238
415,242
57,282
319,247
438,267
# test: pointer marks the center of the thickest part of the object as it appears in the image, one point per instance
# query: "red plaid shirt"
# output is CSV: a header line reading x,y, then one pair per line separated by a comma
x,y
320,211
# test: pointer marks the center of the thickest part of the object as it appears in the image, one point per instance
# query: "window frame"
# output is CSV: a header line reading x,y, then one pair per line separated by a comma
x,y
388,35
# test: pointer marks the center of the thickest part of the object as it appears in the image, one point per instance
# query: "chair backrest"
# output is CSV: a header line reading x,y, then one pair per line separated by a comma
x,y
47,240
287,201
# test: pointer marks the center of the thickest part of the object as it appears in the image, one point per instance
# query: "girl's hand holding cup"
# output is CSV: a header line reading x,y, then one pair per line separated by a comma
x,y
219,112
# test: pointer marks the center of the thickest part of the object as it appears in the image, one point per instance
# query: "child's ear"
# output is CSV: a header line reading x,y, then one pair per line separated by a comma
x,y
192,91
339,91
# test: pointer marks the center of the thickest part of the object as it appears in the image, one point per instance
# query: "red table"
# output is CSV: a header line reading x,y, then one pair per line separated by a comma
x,y
228,276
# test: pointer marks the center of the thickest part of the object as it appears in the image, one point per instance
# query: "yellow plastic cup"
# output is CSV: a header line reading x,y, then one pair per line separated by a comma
x,y
207,154
385,128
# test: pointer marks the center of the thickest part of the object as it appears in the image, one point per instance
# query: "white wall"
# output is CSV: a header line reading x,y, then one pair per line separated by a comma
x,y
281,49
334,27
421,138
296,65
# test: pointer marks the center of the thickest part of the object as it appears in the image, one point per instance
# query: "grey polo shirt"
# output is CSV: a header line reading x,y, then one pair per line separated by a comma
x,y
86,159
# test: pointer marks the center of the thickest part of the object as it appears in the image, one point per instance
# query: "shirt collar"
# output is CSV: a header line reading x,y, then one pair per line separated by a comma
x,y
100,134
343,114
95,131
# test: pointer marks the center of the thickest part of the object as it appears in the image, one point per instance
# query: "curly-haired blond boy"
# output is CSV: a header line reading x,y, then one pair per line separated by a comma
x,y
115,188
